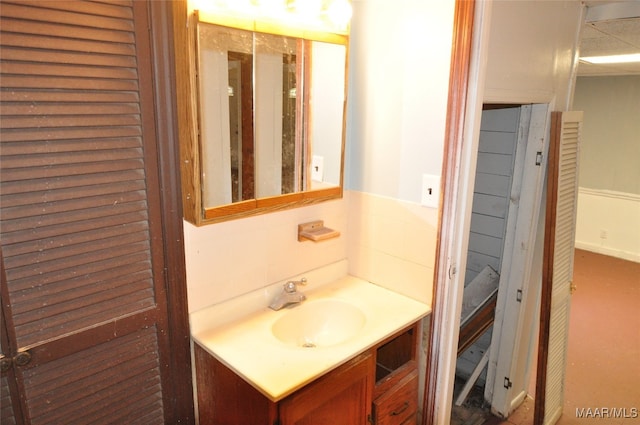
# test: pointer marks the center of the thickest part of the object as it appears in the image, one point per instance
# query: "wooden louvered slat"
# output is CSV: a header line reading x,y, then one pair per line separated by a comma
x,y
25,235
94,274
77,170
122,369
65,44
36,134
56,292
25,55
10,162
102,313
54,312
68,97
105,309
68,244
67,218
61,83
19,109
19,266
114,9
51,70
35,12
44,146
57,30
60,208
7,415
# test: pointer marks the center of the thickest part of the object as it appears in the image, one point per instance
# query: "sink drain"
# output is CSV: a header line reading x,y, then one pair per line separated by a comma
x,y
309,345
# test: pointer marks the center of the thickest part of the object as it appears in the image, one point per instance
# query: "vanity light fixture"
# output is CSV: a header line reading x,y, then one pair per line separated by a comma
x,y
329,15
630,58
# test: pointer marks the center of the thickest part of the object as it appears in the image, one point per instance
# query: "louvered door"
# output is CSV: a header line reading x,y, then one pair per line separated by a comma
x,y
83,279
557,273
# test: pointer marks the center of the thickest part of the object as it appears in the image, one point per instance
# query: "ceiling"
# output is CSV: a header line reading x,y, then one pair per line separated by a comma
x,y
612,27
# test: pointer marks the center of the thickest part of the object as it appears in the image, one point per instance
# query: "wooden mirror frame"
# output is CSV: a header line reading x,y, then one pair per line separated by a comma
x,y
190,153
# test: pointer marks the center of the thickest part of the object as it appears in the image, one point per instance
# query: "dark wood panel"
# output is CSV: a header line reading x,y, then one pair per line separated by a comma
x,y
225,398
73,287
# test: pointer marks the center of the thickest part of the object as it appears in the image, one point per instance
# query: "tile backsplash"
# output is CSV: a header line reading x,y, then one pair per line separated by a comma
x,y
386,241
392,243
228,259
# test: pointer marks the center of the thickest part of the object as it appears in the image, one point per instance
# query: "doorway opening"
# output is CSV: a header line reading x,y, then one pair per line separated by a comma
x,y
495,353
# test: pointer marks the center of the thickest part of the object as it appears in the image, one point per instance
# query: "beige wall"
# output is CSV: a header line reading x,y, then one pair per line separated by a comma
x,y
610,149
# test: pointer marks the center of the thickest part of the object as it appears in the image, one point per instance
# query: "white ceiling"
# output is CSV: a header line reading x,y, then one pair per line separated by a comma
x,y
613,27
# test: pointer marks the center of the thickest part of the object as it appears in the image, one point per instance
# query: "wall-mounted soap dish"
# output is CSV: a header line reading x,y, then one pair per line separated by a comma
x,y
315,231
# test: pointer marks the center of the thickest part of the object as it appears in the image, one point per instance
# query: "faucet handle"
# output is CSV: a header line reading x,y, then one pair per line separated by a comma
x,y
290,286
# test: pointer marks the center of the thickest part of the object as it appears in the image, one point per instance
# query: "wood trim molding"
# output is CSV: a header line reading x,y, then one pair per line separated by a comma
x,y
178,394
547,270
463,27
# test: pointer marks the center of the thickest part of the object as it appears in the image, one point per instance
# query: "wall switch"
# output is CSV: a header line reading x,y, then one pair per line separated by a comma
x,y
317,168
430,190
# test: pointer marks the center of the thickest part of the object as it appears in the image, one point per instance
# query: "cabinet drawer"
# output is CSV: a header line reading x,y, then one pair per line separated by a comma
x,y
399,403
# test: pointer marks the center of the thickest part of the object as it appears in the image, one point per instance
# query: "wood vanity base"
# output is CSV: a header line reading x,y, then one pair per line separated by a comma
x,y
379,386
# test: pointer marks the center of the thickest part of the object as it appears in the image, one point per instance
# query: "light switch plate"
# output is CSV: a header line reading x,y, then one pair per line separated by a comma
x,y
317,168
430,196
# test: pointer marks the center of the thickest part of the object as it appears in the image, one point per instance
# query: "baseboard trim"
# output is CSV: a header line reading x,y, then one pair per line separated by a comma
x,y
630,256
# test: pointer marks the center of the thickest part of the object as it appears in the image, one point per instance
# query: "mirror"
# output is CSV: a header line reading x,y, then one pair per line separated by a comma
x,y
270,119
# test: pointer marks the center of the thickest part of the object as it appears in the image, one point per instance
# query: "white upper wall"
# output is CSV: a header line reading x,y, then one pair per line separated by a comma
x,y
398,87
532,51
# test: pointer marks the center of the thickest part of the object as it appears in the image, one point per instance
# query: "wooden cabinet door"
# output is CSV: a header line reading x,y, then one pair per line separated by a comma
x,y
89,257
343,397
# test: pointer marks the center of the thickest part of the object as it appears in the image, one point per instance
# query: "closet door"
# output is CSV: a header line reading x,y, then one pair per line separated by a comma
x,y
85,329
557,271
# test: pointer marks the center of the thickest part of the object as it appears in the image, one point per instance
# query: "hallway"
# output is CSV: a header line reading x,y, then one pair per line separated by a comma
x,y
603,371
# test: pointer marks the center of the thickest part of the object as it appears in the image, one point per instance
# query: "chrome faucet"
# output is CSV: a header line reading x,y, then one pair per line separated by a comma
x,y
289,295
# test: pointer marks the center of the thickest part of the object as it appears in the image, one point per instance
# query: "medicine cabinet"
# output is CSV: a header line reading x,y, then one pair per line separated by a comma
x,y
262,115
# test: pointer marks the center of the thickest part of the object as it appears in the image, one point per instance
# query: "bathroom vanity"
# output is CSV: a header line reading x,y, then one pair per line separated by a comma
x,y
379,386
347,355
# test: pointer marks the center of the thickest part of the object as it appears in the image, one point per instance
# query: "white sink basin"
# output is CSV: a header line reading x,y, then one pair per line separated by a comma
x,y
320,323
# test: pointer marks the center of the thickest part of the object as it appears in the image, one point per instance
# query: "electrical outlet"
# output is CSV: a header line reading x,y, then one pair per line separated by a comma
x,y
317,168
430,190
604,234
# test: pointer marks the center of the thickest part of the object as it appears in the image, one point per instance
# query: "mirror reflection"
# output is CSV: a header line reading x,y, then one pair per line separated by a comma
x,y
270,116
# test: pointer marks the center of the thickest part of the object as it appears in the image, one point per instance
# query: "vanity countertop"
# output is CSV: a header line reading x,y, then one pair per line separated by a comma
x,y
248,346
